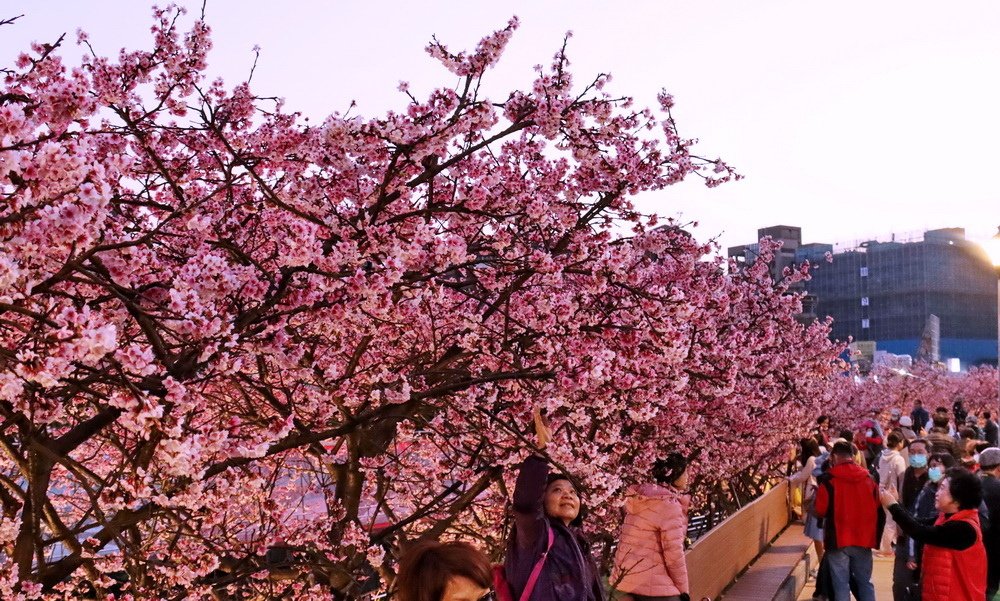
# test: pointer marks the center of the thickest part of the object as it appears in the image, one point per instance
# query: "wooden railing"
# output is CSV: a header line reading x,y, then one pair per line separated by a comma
x,y
717,558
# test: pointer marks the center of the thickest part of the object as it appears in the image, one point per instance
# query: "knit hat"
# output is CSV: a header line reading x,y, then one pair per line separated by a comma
x,y
990,458
895,413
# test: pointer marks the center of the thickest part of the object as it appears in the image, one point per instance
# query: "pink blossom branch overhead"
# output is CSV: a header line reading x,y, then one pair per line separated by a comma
x,y
226,331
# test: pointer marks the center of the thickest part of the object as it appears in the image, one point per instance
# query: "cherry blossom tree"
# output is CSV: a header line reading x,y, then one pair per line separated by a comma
x,y
244,356
849,400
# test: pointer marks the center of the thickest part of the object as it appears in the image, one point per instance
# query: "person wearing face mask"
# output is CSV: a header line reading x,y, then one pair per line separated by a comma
x,y
954,559
433,571
924,508
894,415
914,479
871,440
649,563
547,551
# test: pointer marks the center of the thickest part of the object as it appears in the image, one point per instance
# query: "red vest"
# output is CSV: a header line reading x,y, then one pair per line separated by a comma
x,y
950,575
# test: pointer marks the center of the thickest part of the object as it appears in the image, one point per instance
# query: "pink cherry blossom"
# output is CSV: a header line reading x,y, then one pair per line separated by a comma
x,y
230,332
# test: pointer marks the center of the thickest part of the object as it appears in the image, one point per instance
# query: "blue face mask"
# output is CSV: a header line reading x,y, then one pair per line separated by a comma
x,y
918,461
935,474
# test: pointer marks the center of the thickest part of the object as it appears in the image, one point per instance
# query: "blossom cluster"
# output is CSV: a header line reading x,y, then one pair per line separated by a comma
x,y
230,336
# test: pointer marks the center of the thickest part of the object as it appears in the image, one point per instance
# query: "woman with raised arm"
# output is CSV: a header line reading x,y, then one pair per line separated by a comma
x,y
548,558
954,559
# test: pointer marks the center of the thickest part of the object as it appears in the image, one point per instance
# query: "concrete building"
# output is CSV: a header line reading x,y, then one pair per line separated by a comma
x,y
791,239
886,292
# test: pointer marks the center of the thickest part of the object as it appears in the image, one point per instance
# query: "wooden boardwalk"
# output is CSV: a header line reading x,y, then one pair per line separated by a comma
x,y
773,569
881,577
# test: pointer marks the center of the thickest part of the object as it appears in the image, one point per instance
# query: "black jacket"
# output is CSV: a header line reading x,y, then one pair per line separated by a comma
x,y
570,572
992,433
920,418
991,533
949,535
910,490
908,493
924,513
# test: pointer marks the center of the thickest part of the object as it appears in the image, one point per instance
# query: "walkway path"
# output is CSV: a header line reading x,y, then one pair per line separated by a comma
x,y
881,576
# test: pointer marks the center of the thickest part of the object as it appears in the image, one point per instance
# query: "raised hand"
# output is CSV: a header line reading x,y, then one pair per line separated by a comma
x,y
889,496
542,429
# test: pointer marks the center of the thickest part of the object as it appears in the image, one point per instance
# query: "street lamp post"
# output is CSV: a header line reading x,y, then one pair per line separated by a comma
x,y
993,250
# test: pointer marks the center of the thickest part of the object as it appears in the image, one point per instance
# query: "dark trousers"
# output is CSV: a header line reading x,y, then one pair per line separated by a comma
x,y
823,586
904,580
993,570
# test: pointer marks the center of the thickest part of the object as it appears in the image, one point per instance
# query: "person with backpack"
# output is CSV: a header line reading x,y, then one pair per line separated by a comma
x,y
649,563
870,439
847,499
434,571
548,558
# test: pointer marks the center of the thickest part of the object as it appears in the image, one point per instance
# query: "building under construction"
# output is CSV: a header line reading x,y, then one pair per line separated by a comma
x,y
887,291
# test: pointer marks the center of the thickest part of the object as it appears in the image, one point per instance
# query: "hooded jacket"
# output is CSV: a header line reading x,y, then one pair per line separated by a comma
x,y
847,499
891,467
569,573
650,556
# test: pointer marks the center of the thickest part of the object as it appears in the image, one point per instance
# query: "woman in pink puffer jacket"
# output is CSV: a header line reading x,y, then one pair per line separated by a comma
x,y
649,563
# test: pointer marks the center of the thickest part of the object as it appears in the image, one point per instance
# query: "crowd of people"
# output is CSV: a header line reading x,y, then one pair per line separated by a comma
x,y
919,487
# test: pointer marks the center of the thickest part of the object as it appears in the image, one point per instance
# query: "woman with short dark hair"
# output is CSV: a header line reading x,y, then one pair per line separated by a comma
x,y
954,559
433,571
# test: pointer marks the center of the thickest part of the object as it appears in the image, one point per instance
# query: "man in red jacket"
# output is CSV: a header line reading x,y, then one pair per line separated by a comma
x,y
848,501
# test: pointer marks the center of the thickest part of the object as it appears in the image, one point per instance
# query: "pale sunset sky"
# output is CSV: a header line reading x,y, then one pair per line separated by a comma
x,y
853,119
